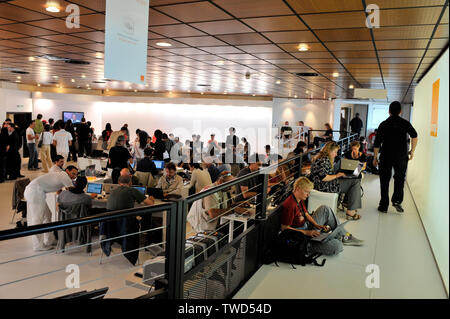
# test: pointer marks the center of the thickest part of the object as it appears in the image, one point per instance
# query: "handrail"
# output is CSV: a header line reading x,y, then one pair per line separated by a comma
x,y
103,217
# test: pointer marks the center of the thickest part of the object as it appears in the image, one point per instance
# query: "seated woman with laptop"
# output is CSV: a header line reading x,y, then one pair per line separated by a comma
x,y
355,154
295,216
325,180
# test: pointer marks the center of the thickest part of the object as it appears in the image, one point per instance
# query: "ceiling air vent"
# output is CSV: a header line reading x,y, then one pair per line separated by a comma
x,y
99,82
52,82
203,84
5,80
73,61
16,70
307,74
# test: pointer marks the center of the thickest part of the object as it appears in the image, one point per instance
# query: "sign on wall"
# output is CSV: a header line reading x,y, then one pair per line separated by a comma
x,y
435,109
126,34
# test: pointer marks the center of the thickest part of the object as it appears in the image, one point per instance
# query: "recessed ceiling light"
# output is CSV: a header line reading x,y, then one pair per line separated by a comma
x,y
253,94
99,55
83,76
88,88
351,86
202,93
55,76
38,84
52,7
163,44
220,62
307,91
278,82
19,77
303,47
18,81
335,74
73,80
295,96
32,59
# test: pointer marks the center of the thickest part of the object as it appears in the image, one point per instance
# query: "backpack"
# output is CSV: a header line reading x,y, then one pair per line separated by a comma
x,y
290,246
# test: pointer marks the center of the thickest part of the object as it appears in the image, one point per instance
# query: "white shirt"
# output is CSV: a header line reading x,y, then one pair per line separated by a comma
x,y
51,182
30,131
62,138
55,169
47,138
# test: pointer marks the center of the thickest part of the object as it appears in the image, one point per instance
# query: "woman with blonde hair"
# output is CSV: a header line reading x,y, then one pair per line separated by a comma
x,y
325,180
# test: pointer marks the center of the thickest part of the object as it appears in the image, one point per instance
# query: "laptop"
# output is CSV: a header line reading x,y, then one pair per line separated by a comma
x,y
159,164
324,237
110,187
94,188
90,170
142,189
155,192
349,165
355,173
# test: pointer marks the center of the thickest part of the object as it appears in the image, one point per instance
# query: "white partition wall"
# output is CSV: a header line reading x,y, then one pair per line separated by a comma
x,y
184,117
428,172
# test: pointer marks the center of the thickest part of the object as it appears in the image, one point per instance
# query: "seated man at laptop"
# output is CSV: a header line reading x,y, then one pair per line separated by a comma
x,y
355,154
326,180
75,195
146,164
170,183
126,172
295,216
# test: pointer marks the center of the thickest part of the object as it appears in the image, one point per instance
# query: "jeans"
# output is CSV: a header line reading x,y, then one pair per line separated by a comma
x,y
33,160
385,169
324,215
352,189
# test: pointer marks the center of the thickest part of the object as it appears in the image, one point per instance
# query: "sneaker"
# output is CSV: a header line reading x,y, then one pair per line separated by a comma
x,y
398,207
350,240
382,209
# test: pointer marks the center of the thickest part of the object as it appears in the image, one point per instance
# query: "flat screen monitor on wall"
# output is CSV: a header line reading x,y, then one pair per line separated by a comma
x,y
75,117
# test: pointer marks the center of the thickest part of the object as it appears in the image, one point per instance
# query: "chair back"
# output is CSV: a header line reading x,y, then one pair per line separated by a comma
x,y
317,199
146,179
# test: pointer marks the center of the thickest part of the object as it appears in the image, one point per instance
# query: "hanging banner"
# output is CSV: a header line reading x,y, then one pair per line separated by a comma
x,y
126,35
435,109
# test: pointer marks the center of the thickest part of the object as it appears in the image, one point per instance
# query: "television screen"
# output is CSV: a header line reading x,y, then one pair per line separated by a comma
x,y
75,117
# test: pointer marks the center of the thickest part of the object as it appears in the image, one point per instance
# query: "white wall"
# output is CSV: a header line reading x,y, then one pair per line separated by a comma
x,y
313,113
184,117
181,116
428,172
14,101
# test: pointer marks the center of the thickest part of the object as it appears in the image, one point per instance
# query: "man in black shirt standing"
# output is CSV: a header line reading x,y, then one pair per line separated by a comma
x,y
83,134
356,124
391,137
119,158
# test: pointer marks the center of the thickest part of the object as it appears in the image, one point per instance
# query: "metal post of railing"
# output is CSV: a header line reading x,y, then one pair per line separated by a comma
x,y
174,267
263,180
299,162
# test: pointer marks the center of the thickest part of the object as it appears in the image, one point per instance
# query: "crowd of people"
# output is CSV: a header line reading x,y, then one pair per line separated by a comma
x,y
207,166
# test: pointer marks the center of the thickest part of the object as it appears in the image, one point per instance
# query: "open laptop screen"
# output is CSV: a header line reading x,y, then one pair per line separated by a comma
x,y
94,188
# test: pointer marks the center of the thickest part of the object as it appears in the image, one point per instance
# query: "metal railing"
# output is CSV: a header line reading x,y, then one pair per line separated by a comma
x,y
172,286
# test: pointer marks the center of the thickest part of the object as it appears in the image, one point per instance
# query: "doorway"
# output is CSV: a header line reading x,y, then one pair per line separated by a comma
x,y
22,120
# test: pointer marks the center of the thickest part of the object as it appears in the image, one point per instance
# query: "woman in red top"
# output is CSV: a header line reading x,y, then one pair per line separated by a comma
x,y
295,217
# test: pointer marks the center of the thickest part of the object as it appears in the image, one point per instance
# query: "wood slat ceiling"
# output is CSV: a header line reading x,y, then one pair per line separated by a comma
x,y
216,42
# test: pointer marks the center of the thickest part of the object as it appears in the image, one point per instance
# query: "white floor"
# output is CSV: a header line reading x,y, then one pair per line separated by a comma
x,y
396,243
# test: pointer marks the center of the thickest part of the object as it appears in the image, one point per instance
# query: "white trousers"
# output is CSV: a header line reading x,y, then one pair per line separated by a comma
x,y
38,213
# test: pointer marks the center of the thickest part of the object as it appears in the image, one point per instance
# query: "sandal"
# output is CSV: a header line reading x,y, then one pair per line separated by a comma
x,y
353,217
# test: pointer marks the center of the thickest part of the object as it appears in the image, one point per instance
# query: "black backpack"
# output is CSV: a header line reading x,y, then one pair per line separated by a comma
x,y
290,246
